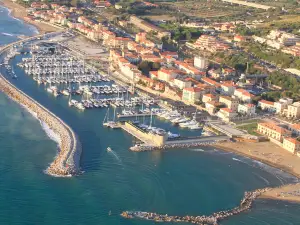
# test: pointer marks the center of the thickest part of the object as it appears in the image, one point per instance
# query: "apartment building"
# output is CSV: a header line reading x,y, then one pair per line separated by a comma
x,y
282,104
191,94
226,114
231,103
266,105
247,109
293,111
243,95
272,130
148,27
291,144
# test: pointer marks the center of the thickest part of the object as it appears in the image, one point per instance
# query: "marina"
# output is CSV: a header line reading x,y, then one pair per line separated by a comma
x,y
115,182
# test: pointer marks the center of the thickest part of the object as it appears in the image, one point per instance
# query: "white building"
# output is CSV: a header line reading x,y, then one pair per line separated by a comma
x,y
246,109
282,104
200,62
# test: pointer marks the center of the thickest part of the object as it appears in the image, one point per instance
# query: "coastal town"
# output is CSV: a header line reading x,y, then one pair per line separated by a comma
x,y
224,94
226,81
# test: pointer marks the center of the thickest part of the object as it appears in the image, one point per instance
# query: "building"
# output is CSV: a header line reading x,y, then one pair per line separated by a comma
x,y
226,114
227,89
166,74
293,111
182,83
246,109
148,27
211,107
291,144
231,103
208,98
266,105
282,104
295,128
243,95
200,62
273,131
210,43
191,94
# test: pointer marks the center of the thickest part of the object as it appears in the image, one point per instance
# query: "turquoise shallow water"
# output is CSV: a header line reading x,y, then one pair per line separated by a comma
x,y
176,182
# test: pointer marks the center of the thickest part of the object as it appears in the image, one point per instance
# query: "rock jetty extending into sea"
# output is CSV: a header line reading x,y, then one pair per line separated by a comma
x,y
213,219
67,161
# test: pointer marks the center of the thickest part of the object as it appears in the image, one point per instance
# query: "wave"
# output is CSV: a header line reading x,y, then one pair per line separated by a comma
x,y
235,159
197,150
50,133
8,34
115,155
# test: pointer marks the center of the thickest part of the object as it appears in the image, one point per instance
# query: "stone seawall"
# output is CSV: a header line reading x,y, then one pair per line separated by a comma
x,y
67,161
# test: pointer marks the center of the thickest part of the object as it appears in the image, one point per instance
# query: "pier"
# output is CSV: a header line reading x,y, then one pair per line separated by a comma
x,y
67,161
152,141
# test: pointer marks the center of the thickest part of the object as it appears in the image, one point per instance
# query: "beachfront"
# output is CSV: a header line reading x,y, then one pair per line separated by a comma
x,y
19,12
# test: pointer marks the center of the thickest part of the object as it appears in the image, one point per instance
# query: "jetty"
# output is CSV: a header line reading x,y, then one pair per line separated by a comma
x,y
214,219
67,161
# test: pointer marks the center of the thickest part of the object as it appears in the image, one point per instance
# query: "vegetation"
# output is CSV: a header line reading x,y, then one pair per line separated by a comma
x,y
289,84
250,128
275,56
181,33
146,66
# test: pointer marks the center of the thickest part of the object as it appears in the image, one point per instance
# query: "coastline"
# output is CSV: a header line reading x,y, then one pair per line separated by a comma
x,y
274,156
19,12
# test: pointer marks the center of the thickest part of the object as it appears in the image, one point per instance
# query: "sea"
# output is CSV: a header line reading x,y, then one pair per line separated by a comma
x,y
176,182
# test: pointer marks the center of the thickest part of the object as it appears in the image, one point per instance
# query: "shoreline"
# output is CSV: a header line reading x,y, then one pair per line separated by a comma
x,y
19,12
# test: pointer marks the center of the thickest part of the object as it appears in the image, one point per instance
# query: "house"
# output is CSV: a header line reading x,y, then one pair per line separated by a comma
x,y
211,82
293,111
266,105
226,114
148,27
231,103
211,107
208,98
227,89
246,109
243,95
291,144
282,104
191,94
295,128
195,73
273,131
182,83
166,74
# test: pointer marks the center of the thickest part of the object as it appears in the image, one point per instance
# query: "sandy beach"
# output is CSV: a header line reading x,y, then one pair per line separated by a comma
x,y
19,12
275,156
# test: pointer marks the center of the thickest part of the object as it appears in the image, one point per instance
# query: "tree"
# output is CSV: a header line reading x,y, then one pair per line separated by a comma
x,y
188,35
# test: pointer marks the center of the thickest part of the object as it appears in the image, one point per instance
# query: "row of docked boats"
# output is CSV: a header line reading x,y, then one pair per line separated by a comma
x,y
176,118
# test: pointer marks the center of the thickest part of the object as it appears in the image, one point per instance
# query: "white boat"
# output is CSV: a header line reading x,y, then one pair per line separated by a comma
x,y
189,123
80,106
65,92
195,127
109,149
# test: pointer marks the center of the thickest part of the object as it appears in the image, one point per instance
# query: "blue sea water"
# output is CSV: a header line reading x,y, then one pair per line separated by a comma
x,y
177,182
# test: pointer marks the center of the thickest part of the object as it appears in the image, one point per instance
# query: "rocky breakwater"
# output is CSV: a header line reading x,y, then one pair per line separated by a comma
x,y
246,204
67,161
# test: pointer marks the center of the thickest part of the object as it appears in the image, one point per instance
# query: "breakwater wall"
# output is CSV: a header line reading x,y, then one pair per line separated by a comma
x,y
215,218
67,161
143,148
